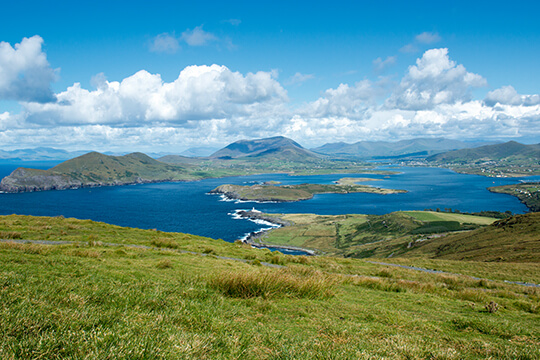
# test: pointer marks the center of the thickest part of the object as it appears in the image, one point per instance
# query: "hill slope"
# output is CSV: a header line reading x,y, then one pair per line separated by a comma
x,y
275,147
94,301
508,159
510,150
516,239
94,169
368,149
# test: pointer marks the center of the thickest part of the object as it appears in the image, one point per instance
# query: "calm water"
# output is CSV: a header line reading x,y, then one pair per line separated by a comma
x,y
186,207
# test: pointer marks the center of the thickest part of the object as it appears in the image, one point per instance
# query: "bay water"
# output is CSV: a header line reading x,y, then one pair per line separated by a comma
x,y
187,207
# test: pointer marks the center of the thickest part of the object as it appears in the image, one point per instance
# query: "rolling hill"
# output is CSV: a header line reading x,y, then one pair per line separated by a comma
x,y
510,151
413,147
94,169
516,239
278,147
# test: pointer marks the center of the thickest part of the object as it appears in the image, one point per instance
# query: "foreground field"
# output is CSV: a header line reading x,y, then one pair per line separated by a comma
x,y
89,300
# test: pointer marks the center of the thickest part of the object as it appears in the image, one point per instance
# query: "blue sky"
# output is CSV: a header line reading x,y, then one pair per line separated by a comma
x,y
314,71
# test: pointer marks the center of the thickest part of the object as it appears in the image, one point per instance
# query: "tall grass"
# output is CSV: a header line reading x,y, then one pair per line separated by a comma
x,y
274,283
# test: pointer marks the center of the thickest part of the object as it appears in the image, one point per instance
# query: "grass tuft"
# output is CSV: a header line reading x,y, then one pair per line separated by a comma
x,y
10,235
273,284
164,264
164,243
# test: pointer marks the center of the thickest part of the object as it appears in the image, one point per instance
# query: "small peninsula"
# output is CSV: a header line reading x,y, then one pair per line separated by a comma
x,y
528,193
292,193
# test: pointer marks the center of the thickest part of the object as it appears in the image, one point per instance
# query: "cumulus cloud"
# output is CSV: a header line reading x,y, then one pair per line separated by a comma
x,y
198,37
345,101
25,73
432,99
214,105
379,64
507,95
165,43
199,93
435,79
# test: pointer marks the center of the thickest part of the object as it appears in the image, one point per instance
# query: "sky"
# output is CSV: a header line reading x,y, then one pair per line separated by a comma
x,y
165,76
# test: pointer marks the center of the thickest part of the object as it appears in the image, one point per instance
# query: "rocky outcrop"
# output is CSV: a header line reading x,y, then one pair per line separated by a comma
x,y
30,180
27,180
257,215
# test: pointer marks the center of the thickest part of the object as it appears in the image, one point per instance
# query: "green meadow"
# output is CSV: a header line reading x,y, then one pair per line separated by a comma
x,y
179,296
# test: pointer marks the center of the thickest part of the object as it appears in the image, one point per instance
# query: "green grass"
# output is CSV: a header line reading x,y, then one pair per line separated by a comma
x,y
443,216
527,193
87,300
368,235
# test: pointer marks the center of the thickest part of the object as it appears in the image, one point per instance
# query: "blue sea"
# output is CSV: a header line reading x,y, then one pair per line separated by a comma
x,y
187,207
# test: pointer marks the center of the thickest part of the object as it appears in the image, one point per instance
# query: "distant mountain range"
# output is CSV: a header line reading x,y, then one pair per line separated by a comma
x,y
382,149
40,154
244,157
509,150
199,151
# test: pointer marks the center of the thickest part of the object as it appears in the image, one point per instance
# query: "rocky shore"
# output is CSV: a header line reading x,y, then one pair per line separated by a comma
x,y
254,238
31,180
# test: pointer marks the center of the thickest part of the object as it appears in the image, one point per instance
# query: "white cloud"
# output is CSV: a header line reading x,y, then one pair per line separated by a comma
x,y
25,73
507,95
197,36
199,93
379,64
213,105
432,99
435,79
344,101
427,38
299,78
165,43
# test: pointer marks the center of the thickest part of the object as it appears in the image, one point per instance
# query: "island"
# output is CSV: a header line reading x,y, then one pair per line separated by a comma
x,y
292,193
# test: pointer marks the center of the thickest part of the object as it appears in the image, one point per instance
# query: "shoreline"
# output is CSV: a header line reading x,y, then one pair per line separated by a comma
x,y
255,215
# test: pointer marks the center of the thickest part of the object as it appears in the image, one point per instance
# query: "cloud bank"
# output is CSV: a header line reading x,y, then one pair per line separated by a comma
x,y
212,105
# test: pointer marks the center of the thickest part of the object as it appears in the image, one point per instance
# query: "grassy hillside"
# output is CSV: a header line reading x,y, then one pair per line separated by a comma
x,y
103,168
95,169
527,193
508,159
515,239
263,148
88,300
368,235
